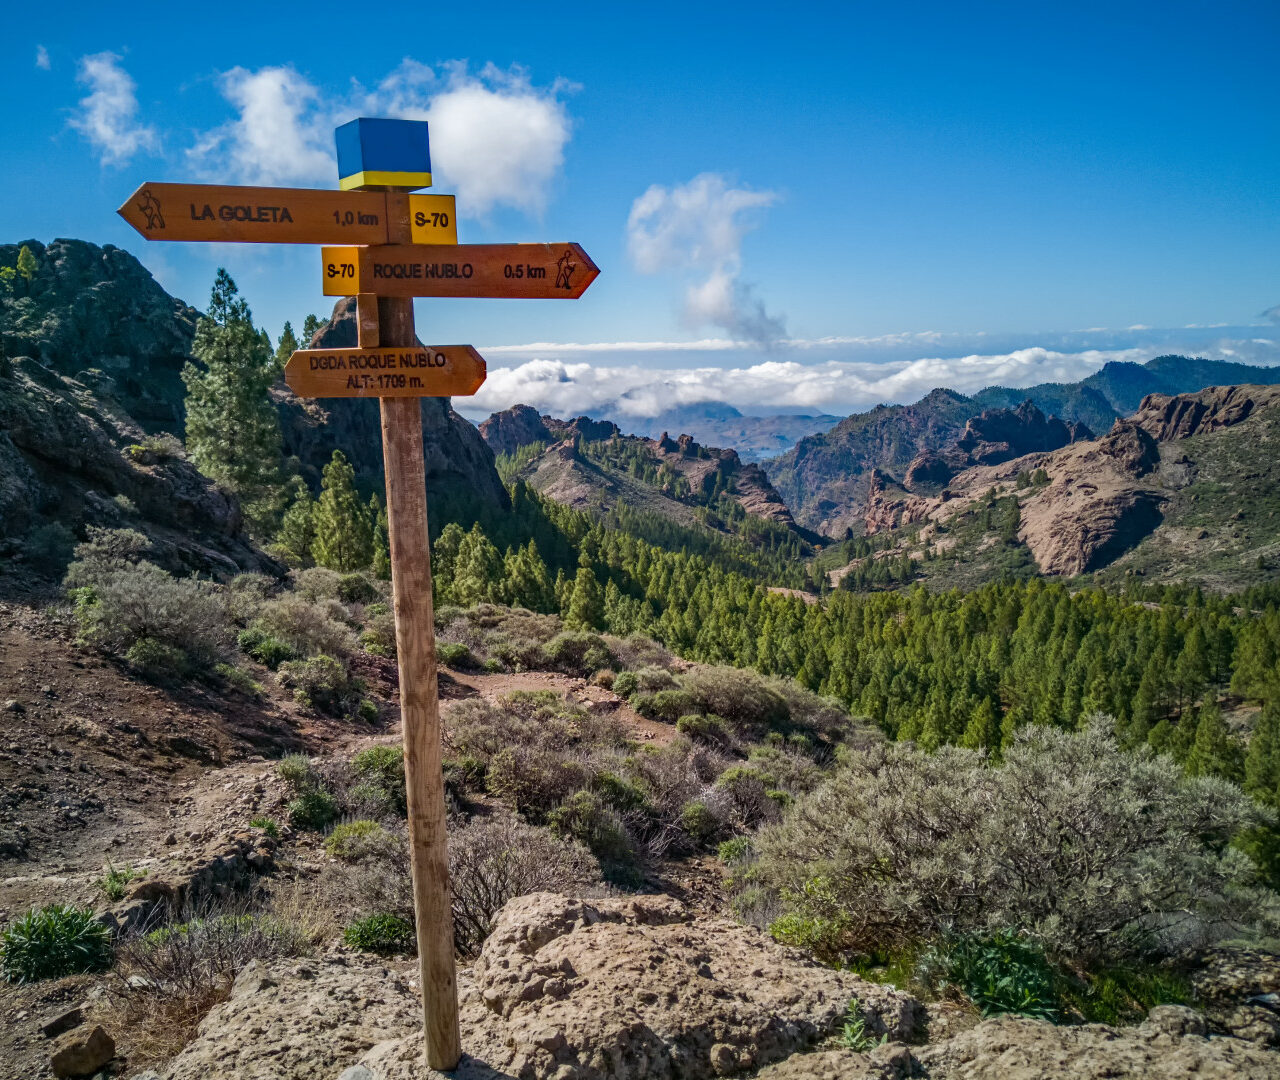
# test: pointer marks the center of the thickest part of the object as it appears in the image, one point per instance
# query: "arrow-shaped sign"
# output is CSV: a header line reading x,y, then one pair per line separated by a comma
x,y
529,271
265,215
424,371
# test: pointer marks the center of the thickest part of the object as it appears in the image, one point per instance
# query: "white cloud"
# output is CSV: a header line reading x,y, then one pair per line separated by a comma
x,y
42,58
795,376
496,139
700,225
108,116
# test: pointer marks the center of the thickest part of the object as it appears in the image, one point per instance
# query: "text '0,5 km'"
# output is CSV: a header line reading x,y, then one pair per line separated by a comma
x,y
426,371
504,271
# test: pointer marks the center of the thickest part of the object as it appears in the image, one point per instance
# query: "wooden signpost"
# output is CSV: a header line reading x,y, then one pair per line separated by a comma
x,y
412,251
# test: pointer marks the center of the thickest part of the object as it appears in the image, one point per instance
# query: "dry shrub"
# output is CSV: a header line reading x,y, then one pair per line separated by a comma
x,y
746,700
307,628
317,583
637,651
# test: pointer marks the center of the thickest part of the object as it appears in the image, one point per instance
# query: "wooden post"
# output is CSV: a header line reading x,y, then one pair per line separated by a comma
x,y
416,655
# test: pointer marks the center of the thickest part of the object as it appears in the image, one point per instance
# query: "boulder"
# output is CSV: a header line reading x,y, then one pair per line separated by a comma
x,y
81,1054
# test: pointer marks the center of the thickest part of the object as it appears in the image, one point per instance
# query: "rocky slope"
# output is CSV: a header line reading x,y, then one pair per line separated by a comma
x,y
590,464
1193,473
825,479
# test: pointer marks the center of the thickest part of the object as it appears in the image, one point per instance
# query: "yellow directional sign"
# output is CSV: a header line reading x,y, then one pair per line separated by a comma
x,y
530,271
432,219
423,371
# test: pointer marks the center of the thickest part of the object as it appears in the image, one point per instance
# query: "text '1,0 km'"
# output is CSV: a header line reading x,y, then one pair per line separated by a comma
x,y
265,215
427,371
505,271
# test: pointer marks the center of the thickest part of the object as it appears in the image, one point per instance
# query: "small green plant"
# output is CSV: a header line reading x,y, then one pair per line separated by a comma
x,y
854,1034
455,655
697,819
112,883
380,934
53,941
1003,973
264,647
735,850
296,771
313,809
356,589
355,840
239,679
267,825
382,768
156,660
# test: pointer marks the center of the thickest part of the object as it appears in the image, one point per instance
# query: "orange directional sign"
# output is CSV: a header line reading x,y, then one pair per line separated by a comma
x,y
529,271
265,215
423,371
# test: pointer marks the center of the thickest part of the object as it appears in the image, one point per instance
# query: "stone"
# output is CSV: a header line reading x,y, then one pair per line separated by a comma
x,y
356,1072
63,1020
78,1054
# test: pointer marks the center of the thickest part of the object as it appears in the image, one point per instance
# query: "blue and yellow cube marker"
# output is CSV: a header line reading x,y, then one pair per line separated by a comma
x,y
383,153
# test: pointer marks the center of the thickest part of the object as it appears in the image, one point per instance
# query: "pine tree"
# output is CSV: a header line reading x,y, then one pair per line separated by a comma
x,y
1262,763
983,732
586,605
444,560
298,526
478,575
344,534
27,265
287,346
381,538
233,432
310,325
1215,751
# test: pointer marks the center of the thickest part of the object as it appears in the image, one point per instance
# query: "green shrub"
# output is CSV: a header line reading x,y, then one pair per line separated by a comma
x,y
297,771
578,653
738,849
356,589
157,661
379,637
1124,995
668,705
382,934
255,642
493,666
112,883
746,700
586,818
624,684
698,820
321,682
317,583
456,655
267,825
313,809
238,679
382,767
307,627
356,840
707,729
1001,973
367,710
854,1034
53,941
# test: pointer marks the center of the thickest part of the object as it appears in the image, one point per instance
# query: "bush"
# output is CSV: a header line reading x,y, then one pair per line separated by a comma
x,y
625,683
112,883
297,772
143,605
586,818
264,648
1002,973
745,700
356,589
381,769
668,705
379,637
707,729
157,662
1096,853
309,629
267,825
494,859
382,933
700,822
736,850
320,682
53,941
456,655
313,809
317,583
358,840
578,653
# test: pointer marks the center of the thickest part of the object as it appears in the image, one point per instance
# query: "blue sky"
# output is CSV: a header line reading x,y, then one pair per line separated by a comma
x,y
798,186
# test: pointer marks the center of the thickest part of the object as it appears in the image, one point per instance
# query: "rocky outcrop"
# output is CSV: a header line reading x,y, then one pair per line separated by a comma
x,y
91,308
1167,417
69,452
521,425
623,989
459,465
997,435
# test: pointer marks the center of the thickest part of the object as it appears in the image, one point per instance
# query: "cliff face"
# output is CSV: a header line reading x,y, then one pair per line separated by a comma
x,y
459,465
1105,496
91,307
